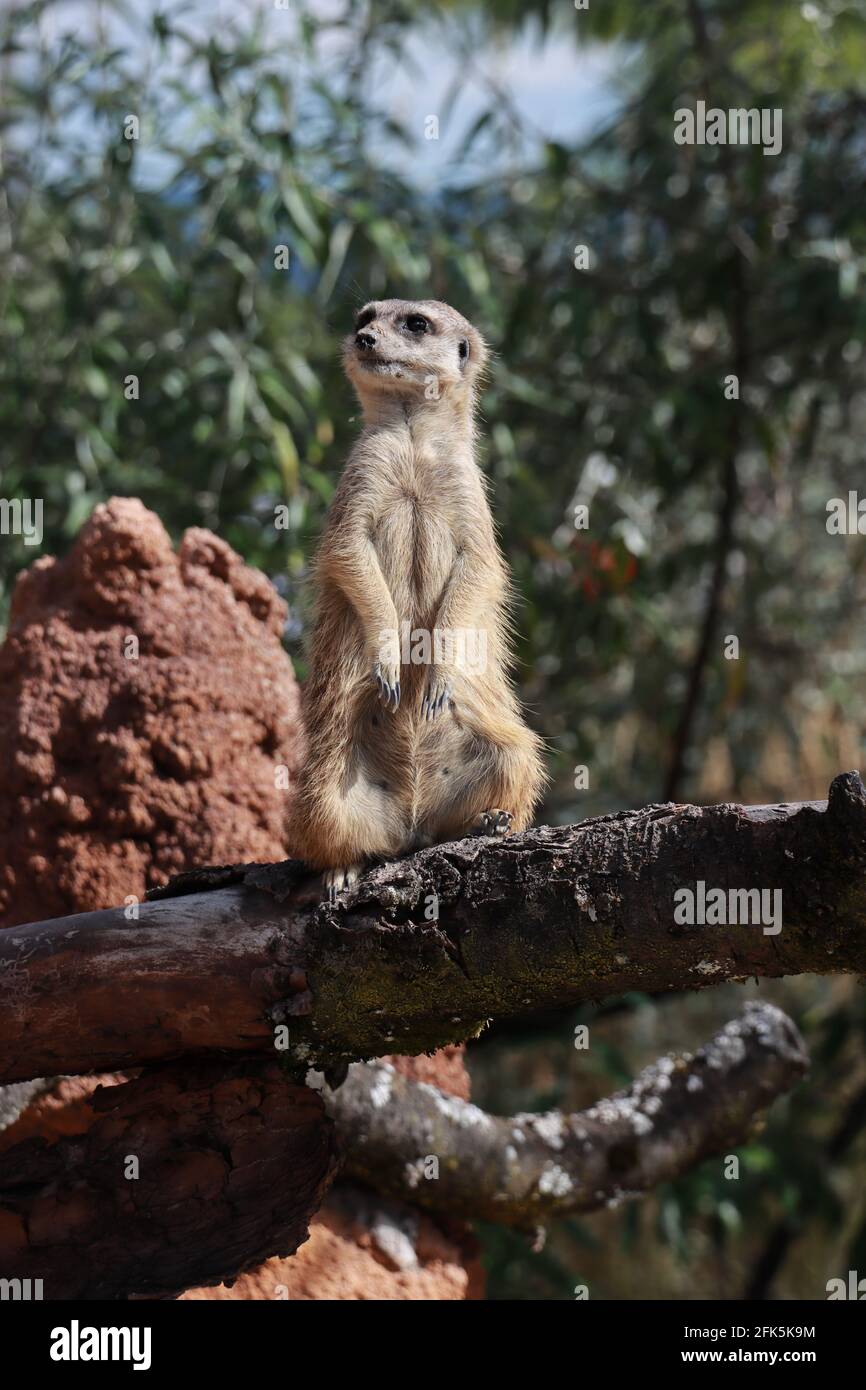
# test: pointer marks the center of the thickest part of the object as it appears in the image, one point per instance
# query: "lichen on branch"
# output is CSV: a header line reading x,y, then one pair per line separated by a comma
x,y
407,1139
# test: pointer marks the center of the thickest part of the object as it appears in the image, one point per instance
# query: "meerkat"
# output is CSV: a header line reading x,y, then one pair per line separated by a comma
x,y
415,735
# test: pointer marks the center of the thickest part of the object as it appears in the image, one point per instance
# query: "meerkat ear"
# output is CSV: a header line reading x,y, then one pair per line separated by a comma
x,y
472,349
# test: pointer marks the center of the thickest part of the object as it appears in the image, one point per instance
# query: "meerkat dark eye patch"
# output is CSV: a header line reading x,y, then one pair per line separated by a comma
x,y
463,349
416,323
366,316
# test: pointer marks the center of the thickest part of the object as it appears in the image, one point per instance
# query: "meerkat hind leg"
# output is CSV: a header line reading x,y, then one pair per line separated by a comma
x,y
473,794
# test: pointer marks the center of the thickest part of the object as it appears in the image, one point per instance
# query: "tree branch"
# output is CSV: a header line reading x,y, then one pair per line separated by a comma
x,y
532,1168
549,918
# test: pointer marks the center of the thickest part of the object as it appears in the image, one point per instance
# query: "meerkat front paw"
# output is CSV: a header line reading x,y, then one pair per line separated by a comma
x,y
436,691
491,823
386,674
336,880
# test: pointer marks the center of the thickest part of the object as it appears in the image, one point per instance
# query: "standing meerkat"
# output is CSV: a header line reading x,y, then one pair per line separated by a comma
x,y
415,733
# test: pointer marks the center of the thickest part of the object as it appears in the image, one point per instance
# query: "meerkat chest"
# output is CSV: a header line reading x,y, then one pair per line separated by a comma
x,y
423,514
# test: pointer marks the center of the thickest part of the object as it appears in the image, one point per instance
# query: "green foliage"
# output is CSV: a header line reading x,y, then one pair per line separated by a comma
x,y
154,258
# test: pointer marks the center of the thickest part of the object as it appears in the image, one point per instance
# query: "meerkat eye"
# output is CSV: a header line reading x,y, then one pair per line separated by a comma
x,y
463,349
366,316
416,323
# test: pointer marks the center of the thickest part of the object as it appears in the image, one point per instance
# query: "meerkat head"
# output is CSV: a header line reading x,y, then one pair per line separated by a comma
x,y
417,350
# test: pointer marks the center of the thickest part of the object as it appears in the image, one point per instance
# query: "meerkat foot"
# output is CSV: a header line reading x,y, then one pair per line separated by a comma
x,y
336,880
388,680
436,692
494,822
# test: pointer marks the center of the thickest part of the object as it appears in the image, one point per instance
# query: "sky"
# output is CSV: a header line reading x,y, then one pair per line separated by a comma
x,y
561,91
560,88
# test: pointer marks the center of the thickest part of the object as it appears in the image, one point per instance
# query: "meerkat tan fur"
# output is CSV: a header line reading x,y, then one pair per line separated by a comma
x,y
406,749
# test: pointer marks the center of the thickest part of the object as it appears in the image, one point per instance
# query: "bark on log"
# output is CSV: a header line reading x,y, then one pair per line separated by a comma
x,y
529,1169
233,1160
548,918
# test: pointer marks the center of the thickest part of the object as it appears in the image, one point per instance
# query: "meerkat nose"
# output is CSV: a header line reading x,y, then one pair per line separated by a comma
x,y
364,340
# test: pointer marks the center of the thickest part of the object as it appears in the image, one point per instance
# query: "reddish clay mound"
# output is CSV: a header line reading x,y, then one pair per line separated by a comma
x,y
365,1247
122,764
445,1069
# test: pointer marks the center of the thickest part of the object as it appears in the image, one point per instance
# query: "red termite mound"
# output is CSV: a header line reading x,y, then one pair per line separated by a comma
x,y
150,722
146,705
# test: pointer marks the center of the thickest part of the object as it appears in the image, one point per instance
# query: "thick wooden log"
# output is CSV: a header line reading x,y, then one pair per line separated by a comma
x,y
187,1175
424,950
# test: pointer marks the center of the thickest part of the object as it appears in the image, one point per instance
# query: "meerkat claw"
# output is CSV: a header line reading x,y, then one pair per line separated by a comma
x,y
337,880
434,700
494,822
389,694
